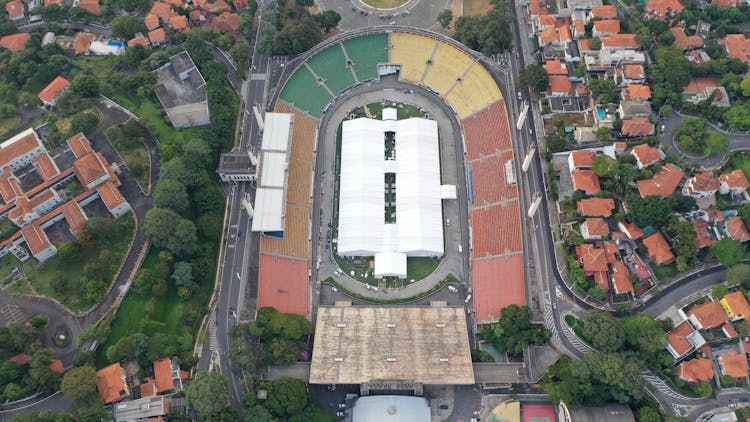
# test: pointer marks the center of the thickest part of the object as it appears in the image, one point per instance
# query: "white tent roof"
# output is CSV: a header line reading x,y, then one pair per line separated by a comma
x,y
418,230
272,173
448,191
269,210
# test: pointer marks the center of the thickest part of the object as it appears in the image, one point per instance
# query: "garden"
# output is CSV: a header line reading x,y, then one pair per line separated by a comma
x,y
129,139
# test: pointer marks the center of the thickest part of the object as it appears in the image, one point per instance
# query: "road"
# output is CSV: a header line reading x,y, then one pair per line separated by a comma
x,y
239,259
737,142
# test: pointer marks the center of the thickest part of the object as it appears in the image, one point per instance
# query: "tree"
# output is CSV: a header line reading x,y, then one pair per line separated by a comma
x,y
595,44
80,385
729,251
703,389
643,334
445,17
605,332
85,85
41,377
479,355
257,413
514,331
208,393
43,416
489,34
535,78
183,278
651,210
171,194
270,323
132,5
83,122
159,225
738,273
328,20
671,74
292,39
716,143
603,133
183,241
286,397
647,413
604,165
683,237
126,27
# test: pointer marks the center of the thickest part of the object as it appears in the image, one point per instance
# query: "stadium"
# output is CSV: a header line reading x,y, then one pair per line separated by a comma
x,y
395,65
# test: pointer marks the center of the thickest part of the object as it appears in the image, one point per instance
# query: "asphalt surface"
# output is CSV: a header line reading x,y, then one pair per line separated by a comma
x,y
737,142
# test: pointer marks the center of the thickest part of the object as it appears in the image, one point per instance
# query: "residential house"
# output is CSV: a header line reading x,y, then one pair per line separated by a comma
x,y
579,20
636,92
697,57
737,46
631,230
637,127
538,8
15,42
632,74
646,155
52,92
556,35
659,251
181,91
701,89
735,228
151,21
683,340
696,370
197,18
708,315
163,375
604,12
702,185
139,39
161,10
82,42
736,306
605,28
683,41
567,96
592,259
586,181
663,9
620,42
144,409
111,384
38,242
734,183
703,236
628,109
15,10
733,364
542,22
581,160
714,215
596,207
91,6
555,67
157,37
227,23
621,278
179,23
595,228
664,182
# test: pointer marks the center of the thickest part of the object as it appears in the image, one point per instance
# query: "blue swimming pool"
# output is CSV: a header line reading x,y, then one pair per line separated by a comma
x,y
600,113
116,44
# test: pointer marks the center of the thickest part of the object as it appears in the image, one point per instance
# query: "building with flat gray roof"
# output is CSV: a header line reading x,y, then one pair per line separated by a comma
x,y
612,412
236,167
391,409
145,408
181,90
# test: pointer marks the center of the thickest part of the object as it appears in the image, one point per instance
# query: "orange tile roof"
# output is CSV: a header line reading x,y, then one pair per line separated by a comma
x,y
9,186
637,126
82,41
607,26
729,331
663,183
51,2
714,215
584,44
620,40
544,21
179,23
634,71
709,315
662,8
677,338
646,154
21,146
703,238
25,206
57,366
151,21
580,27
138,41
148,388
592,259
597,226
734,364
283,284
36,238
20,358
226,23
157,36
695,370
658,249
219,6
163,375
74,216
683,41
162,10
80,145
704,182
587,181
110,383
735,179
737,46
14,9
491,294
621,278
737,230
90,167
54,88
699,85
92,6
631,230
604,12
538,7
46,168
596,207
726,3
560,85
637,92
15,42
110,195
555,67
582,158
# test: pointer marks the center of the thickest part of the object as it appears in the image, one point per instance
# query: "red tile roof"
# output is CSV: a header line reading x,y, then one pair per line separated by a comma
x,y
596,207
111,384
51,91
734,364
735,179
555,67
637,92
14,9
709,315
695,370
138,41
226,23
21,146
729,331
15,42
592,259
637,126
621,278
587,181
582,158
157,36
714,215
82,41
677,338
703,238
683,41
283,284
79,144
584,44
151,21
46,167
633,71
662,8
699,85
620,40
658,249
36,238
604,12
163,375
663,183
560,85
148,388
57,366
492,293
162,10
631,230
737,46
607,26
703,182
646,154
737,230
74,216
90,167
538,7
736,303
110,195
179,23
91,6
597,226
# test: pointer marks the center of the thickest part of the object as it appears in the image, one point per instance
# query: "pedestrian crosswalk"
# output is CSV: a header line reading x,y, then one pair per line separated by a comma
x,y
663,388
549,318
574,340
213,343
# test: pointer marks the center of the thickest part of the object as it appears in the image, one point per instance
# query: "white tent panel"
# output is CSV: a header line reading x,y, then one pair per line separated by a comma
x,y
269,210
273,170
448,192
277,132
390,264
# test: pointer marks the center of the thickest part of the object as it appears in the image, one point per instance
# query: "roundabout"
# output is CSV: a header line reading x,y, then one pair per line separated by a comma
x,y
385,5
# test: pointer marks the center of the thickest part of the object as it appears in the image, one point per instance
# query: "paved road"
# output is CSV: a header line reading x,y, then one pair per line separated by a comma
x,y
737,142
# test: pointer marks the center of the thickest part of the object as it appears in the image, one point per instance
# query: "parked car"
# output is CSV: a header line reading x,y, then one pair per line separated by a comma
x,y
468,298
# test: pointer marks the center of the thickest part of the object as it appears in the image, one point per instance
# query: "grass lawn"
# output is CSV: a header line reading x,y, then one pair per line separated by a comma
x,y
476,7
664,272
384,4
56,267
165,315
740,160
7,263
21,287
7,124
403,110
128,140
96,64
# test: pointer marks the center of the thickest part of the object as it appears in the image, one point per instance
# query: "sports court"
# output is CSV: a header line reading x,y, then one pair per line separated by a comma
x,y
282,284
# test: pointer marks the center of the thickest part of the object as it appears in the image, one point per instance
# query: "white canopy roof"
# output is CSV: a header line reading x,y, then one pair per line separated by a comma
x,y
272,173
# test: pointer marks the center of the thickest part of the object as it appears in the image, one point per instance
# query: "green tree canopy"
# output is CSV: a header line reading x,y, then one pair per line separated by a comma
x,y
126,27
85,85
445,17
80,385
729,251
645,335
605,332
739,273
535,78
514,331
683,235
208,394
43,416
490,34
271,323
648,211
159,225
171,194
328,20
604,165
286,396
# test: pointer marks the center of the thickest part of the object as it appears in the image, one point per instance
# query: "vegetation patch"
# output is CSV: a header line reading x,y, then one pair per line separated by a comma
x,y
130,141
385,4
